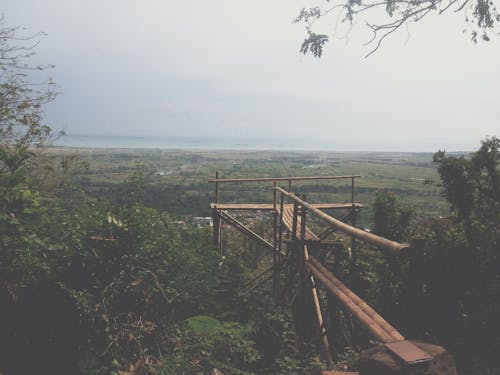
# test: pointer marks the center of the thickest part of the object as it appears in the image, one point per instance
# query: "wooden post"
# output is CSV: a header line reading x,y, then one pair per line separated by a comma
x,y
353,276
352,191
294,221
216,187
303,213
216,224
274,195
275,245
280,242
219,237
292,264
319,315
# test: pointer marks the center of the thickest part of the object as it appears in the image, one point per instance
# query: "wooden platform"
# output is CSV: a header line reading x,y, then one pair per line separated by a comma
x,y
270,206
288,221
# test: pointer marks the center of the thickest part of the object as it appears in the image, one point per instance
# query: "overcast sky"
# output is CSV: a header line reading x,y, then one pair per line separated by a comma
x,y
233,68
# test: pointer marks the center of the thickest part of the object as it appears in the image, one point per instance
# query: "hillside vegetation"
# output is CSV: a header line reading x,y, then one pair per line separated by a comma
x,y
103,269
99,277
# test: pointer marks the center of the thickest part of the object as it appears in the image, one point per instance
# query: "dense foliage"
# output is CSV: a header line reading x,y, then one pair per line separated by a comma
x,y
448,290
90,286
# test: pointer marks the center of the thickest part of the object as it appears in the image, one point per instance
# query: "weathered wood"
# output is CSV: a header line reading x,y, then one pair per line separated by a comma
x,y
288,220
270,206
280,244
381,242
319,315
375,329
275,244
216,187
379,327
380,361
262,179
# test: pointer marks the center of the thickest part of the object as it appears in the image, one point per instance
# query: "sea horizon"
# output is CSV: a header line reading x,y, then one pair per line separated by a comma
x,y
247,144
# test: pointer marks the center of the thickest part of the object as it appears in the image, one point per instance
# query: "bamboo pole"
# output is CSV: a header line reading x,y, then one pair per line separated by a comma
x,y
383,243
319,315
275,245
354,298
280,243
262,179
375,329
216,187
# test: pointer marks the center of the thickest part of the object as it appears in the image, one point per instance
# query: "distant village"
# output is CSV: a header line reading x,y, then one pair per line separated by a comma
x,y
207,222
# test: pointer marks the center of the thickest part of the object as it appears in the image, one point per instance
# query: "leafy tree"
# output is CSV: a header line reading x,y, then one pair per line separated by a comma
x,y
23,135
472,186
391,220
481,15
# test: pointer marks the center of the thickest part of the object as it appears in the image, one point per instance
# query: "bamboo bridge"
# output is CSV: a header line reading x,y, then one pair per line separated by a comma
x,y
297,253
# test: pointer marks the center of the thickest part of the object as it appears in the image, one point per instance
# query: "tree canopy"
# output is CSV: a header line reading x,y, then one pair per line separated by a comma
x,y
384,17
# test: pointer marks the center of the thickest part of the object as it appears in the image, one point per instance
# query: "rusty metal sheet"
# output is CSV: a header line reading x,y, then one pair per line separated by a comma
x,y
408,352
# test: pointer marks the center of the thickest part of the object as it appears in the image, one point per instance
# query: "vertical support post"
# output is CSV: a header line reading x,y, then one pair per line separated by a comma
x,y
275,245
219,243
352,260
352,191
217,228
215,215
303,212
291,250
317,310
274,195
294,220
216,224
216,187
280,243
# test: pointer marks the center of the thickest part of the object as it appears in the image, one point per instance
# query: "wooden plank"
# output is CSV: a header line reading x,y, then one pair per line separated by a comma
x,y
408,352
288,221
270,206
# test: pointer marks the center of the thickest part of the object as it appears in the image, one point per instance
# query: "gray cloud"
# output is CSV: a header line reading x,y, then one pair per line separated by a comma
x,y
196,67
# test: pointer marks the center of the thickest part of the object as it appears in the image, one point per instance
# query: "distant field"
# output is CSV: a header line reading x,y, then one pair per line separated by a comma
x,y
177,181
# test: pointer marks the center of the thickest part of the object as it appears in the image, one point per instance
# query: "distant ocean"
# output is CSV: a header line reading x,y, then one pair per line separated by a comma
x,y
203,143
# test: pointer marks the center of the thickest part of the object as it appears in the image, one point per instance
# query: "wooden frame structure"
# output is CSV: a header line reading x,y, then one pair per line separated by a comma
x,y
290,213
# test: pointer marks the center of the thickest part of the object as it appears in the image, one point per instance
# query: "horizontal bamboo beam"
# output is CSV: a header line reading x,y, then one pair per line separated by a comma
x,y
381,242
367,322
366,309
270,206
261,179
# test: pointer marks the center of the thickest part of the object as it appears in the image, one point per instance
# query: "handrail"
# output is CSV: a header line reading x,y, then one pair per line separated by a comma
x,y
381,242
304,178
364,312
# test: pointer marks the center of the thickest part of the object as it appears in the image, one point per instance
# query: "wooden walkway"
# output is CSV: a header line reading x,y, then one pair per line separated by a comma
x,y
288,222
292,217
